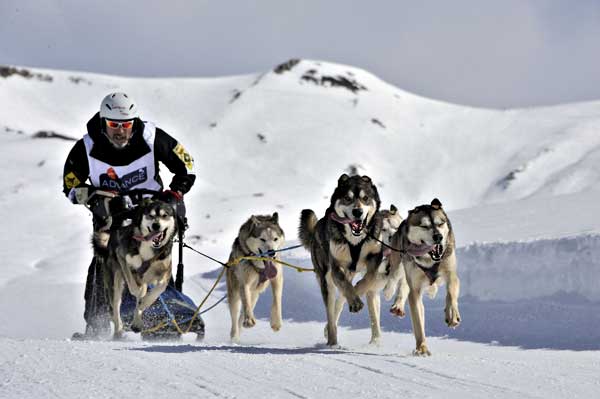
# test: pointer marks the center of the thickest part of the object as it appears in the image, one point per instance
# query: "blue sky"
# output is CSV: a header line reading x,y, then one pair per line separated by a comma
x,y
510,53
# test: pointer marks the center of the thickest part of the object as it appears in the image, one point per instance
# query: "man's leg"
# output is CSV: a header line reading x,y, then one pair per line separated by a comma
x,y
97,309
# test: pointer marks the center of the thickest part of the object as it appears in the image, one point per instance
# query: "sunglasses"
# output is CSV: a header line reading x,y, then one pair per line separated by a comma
x,y
117,125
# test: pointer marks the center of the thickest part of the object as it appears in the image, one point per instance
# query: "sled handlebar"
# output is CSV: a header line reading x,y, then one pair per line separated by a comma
x,y
136,194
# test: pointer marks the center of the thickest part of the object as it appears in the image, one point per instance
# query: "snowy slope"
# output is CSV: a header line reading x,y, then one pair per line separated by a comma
x,y
521,186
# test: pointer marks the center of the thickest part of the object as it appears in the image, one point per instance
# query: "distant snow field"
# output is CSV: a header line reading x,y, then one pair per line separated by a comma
x,y
521,188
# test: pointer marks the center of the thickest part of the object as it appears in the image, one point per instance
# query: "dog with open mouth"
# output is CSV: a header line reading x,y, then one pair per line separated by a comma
x,y
259,236
426,246
139,255
341,244
386,278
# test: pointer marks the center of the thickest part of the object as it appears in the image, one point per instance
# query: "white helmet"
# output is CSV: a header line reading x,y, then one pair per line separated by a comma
x,y
118,106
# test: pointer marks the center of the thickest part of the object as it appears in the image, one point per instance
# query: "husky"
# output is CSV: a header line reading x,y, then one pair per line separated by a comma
x,y
341,245
139,255
260,235
386,278
394,277
426,242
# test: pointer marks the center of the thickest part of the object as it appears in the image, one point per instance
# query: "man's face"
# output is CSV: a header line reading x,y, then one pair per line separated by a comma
x,y
119,132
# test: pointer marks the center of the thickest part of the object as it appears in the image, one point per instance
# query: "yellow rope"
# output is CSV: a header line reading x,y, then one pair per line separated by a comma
x,y
298,268
232,263
164,323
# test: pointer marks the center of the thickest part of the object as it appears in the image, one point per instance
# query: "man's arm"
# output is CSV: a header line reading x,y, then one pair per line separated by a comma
x,y
75,172
176,159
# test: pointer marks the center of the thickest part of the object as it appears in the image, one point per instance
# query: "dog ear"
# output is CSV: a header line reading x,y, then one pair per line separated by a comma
x,y
366,179
436,204
343,178
275,217
254,220
393,209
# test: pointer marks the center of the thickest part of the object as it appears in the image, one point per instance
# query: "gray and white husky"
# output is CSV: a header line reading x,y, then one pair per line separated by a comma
x,y
140,255
246,280
341,245
426,240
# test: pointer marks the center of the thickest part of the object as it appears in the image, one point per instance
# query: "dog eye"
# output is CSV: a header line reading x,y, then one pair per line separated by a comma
x,y
263,240
365,198
440,224
275,239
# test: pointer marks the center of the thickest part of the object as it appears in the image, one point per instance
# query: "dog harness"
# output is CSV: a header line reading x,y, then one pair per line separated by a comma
x,y
146,263
354,249
139,174
430,272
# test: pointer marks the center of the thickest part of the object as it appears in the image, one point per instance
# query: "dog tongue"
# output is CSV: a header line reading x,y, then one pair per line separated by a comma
x,y
149,237
419,250
268,272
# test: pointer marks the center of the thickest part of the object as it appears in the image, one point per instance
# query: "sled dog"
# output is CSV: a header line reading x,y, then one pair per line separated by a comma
x,y
386,278
258,236
426,240
394,277
139,255
341,245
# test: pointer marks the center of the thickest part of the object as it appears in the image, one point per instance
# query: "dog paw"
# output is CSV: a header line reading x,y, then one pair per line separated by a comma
x,y
276,325
397,311
452,316
422,350
137,325
375,341
356,305
136,329
249,322
119,336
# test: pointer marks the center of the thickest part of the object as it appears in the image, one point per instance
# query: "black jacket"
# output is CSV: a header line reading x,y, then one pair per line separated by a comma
x,y
76,170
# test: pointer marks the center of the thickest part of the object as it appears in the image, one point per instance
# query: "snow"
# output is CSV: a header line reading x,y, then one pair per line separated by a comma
x,y
521,187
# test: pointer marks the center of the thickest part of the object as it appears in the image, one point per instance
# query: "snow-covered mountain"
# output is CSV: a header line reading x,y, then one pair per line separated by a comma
x,y
522,187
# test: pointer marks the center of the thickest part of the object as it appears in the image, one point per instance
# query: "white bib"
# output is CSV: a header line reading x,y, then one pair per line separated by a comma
x,y
139,174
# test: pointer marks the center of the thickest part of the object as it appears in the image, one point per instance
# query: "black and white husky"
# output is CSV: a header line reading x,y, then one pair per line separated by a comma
x,y
341,245
139,255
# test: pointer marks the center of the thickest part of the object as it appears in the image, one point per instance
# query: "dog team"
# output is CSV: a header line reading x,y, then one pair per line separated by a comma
x,y
353,238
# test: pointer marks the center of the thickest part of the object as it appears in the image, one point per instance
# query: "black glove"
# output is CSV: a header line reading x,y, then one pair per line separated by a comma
x,y
119,205
99,207
170,197
175,199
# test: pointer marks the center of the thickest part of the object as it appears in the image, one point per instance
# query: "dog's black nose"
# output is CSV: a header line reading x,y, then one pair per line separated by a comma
x,y
357,212
156,226
437,238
